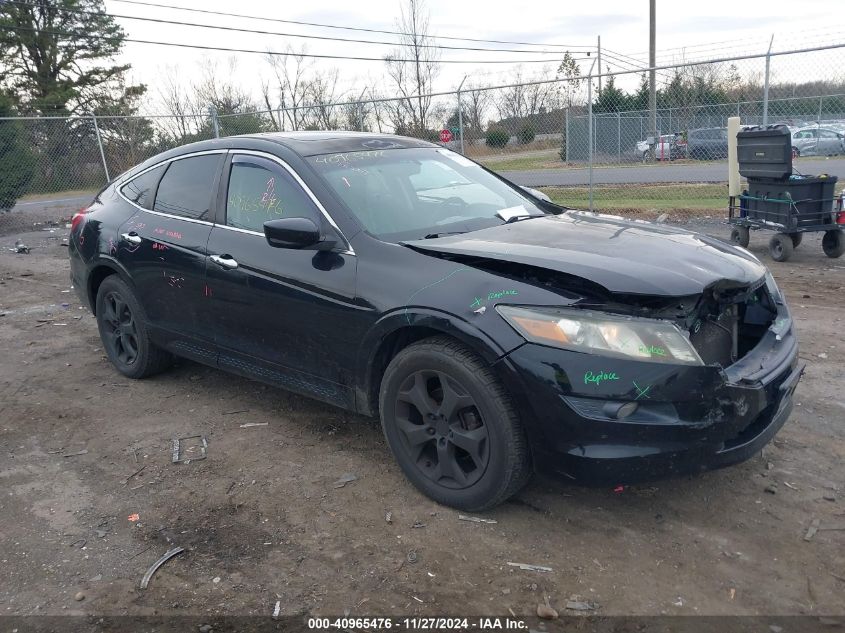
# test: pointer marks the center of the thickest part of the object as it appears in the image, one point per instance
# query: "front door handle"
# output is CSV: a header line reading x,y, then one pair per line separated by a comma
x,y
225,261
132,238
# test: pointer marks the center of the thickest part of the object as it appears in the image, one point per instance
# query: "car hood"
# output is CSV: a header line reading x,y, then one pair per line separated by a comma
x,y
631,257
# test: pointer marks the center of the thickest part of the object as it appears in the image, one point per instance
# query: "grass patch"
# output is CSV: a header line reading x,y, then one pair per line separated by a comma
x,y
548,160
681,200
646,200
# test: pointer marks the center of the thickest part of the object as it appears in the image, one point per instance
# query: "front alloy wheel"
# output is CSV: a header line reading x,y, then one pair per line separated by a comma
x,y
441,428
452,426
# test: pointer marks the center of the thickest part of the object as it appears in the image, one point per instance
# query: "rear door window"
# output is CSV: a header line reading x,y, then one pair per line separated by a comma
x,y
141,189
187,187
261,190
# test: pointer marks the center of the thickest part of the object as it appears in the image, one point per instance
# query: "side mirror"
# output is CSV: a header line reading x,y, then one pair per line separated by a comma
x,y
292,233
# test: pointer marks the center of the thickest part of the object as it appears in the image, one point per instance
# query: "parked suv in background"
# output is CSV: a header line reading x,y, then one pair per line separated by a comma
x,y
708,143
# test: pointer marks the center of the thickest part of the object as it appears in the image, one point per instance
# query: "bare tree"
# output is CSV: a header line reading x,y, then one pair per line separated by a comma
x,y
265,96
413,67
475,102
524,98
322,92
356,113
177,101
291,88
380,114
219,90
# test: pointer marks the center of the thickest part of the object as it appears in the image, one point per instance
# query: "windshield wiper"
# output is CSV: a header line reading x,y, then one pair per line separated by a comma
x,y
432,236
518,218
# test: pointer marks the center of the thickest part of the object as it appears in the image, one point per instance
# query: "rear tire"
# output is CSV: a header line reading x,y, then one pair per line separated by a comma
x,y
124,332
452,427
741,236
780,247
833,243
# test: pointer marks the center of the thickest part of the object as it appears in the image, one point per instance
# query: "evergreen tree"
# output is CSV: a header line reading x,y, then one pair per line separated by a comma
x,y
18,162
611,98
56,55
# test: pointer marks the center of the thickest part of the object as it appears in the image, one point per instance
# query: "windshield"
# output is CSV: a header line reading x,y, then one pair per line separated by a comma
x,y
405,194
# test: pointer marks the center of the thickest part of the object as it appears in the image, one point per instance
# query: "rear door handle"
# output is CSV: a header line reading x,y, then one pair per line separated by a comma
x,y
225,261
132,238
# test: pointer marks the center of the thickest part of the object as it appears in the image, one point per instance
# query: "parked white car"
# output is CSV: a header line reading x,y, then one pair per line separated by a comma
x,y
818,141
669,147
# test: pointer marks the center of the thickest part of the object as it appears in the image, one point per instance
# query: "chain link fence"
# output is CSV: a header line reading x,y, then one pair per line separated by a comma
x,y
588,139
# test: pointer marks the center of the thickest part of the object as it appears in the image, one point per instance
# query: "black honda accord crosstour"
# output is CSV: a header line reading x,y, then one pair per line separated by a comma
x,y
492,331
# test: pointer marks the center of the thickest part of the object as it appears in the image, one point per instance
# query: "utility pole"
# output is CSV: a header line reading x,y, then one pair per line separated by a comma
x,y
599,47
652,77
100,143
766,84
590,128
461,114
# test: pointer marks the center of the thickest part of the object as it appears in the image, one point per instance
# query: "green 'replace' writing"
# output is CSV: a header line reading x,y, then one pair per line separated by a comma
x,y
598,377
500,294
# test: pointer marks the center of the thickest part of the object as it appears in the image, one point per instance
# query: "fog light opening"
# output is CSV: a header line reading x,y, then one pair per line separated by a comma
x,y
619,410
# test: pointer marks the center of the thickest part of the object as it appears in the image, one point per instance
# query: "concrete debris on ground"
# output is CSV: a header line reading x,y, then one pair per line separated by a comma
x,y
527,567
577,603
344,479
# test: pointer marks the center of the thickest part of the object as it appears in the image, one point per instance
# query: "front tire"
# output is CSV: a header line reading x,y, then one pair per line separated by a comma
x,y
452,427
796,239
124,333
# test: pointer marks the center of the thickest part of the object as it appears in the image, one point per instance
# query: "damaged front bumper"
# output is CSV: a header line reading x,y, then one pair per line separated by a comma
x,y
600,420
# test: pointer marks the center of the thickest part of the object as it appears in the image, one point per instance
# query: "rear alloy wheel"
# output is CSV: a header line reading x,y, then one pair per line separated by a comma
x,y
780,247
124,333
796,239
452,427
741,236
833,243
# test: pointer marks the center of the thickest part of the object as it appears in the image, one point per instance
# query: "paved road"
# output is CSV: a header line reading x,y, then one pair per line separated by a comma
x,y
688,172
58,203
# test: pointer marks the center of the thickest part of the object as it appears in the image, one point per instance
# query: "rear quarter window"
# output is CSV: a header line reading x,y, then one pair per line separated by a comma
x,y
141,189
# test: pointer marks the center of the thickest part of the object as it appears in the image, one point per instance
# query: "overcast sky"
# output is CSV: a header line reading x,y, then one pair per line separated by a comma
x,y
685,30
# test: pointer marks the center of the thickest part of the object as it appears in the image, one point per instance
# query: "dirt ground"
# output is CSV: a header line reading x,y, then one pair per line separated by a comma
x,y
83,450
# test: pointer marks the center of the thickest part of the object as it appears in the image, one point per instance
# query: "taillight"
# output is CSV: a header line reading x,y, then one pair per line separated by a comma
x,y
77,218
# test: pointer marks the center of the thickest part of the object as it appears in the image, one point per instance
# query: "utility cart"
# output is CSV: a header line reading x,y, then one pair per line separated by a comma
x,y
779,200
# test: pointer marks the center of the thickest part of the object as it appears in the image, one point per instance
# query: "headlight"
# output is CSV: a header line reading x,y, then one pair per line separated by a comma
x,y
650,340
